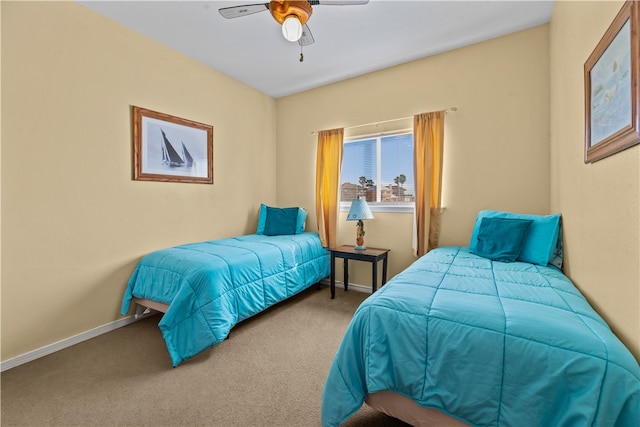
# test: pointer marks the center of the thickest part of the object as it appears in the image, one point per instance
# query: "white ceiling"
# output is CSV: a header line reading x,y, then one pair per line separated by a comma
x,y
349,40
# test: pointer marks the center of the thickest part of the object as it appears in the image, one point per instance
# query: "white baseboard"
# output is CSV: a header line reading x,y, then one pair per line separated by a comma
x,y
355,286
67,342
84,336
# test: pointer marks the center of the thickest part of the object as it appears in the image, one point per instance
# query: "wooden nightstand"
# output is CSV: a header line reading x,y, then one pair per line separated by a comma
x,y
347,252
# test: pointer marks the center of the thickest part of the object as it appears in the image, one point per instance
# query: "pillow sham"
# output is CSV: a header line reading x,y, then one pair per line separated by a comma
x,y
501,239
280,221
262,218
301,221
557,257
540,241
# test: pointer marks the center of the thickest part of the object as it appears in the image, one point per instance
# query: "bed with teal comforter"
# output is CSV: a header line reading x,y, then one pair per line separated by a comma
x,y
489,343
211,286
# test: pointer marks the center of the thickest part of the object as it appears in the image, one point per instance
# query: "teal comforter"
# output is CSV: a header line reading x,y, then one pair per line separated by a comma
x,y
489,343
211,286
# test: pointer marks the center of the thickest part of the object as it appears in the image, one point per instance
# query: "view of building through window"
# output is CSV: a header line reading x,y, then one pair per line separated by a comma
x,y
378,169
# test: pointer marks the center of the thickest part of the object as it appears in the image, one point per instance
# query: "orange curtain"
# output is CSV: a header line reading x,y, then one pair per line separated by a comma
x,y
328,164
428,134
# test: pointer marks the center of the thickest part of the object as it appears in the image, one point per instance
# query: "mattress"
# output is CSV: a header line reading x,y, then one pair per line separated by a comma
x,y
211,286
487,343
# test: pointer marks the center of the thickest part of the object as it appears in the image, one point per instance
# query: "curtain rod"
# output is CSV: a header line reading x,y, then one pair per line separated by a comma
x,y
448,110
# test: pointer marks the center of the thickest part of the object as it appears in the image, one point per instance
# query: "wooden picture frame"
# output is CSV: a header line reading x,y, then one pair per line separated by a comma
x,y
171,149
612,88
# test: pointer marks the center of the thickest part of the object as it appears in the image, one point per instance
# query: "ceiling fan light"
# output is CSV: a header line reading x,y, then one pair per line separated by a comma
x,y
292,28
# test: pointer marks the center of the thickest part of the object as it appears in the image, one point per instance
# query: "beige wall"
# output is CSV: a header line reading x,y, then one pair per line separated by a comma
x,y
496,145
599,201
74,223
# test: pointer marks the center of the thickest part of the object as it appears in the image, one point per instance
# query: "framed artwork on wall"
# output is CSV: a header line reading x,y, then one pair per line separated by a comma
x,y
612,88
171,149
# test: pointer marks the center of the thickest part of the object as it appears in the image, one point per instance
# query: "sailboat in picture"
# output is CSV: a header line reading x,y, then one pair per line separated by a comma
x,y
171,157
188,160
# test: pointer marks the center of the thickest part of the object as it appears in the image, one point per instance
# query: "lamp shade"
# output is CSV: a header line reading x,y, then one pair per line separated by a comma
x,y
292,28
359,210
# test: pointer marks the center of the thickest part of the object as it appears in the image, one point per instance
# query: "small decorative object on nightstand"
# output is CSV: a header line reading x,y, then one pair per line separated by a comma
x,y
372,255
359,211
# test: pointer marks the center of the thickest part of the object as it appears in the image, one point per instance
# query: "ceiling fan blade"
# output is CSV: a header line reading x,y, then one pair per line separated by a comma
x,y
244,10
306,38
339,2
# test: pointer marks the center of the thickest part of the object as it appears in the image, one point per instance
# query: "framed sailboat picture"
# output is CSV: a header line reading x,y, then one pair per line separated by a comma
x,y
171,149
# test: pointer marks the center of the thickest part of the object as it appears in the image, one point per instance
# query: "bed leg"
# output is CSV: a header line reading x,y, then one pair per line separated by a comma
x,y
141,311
320,282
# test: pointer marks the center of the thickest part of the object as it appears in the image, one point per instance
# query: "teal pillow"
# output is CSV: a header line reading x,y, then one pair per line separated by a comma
x,y
541,239
501,239
280,221
302,219
262,218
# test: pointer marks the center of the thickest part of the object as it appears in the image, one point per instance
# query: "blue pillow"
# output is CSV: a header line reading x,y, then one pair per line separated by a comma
x,y
540,241
262,218
501,239
280,222
557,257
302,219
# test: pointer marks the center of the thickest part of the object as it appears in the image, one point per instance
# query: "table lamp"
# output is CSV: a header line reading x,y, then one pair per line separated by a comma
x,y
359,211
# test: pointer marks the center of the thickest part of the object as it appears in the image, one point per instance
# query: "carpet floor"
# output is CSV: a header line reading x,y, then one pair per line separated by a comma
x,y
270,372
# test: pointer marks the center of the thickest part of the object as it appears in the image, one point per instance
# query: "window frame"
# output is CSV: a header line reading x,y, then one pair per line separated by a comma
x,y
401,207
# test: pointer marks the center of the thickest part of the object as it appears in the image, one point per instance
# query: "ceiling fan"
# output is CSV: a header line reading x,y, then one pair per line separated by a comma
x,y
292,15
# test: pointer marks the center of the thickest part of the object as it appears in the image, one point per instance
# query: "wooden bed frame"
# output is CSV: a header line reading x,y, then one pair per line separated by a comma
x,y
143,306
401,407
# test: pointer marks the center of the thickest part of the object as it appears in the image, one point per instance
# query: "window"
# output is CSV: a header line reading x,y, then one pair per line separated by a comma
x,y
380,170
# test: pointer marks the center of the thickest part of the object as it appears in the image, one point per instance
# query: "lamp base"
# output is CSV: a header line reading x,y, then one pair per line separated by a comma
x,y
360,248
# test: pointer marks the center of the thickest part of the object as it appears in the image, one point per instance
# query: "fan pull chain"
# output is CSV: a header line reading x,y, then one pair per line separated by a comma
x,y
301,55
